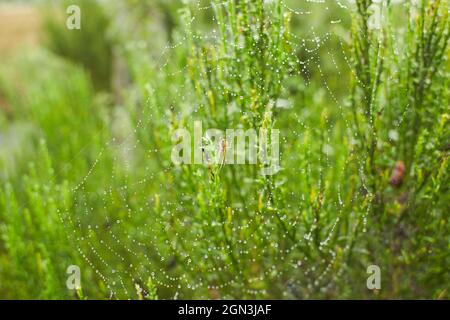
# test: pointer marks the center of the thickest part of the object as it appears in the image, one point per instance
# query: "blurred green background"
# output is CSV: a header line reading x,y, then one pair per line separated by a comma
x,y
87,116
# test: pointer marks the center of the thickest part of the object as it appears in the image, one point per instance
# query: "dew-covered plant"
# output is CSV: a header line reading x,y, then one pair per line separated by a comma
x,y
364,140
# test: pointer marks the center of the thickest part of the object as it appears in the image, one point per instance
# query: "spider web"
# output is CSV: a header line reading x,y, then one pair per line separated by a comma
x,y
132,245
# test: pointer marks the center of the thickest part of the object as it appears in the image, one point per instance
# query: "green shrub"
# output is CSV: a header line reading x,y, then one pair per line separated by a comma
x,y
91,46
364,168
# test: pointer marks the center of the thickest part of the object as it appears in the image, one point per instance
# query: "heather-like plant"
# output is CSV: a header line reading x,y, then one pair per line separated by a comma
x,y
400,110
363,176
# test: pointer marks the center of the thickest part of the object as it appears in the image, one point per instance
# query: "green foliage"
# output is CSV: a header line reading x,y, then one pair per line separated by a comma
x,y
90,46
31,210
400,108
364,181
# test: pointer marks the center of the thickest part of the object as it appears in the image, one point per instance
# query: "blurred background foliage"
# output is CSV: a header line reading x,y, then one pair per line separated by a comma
x,y
86,119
